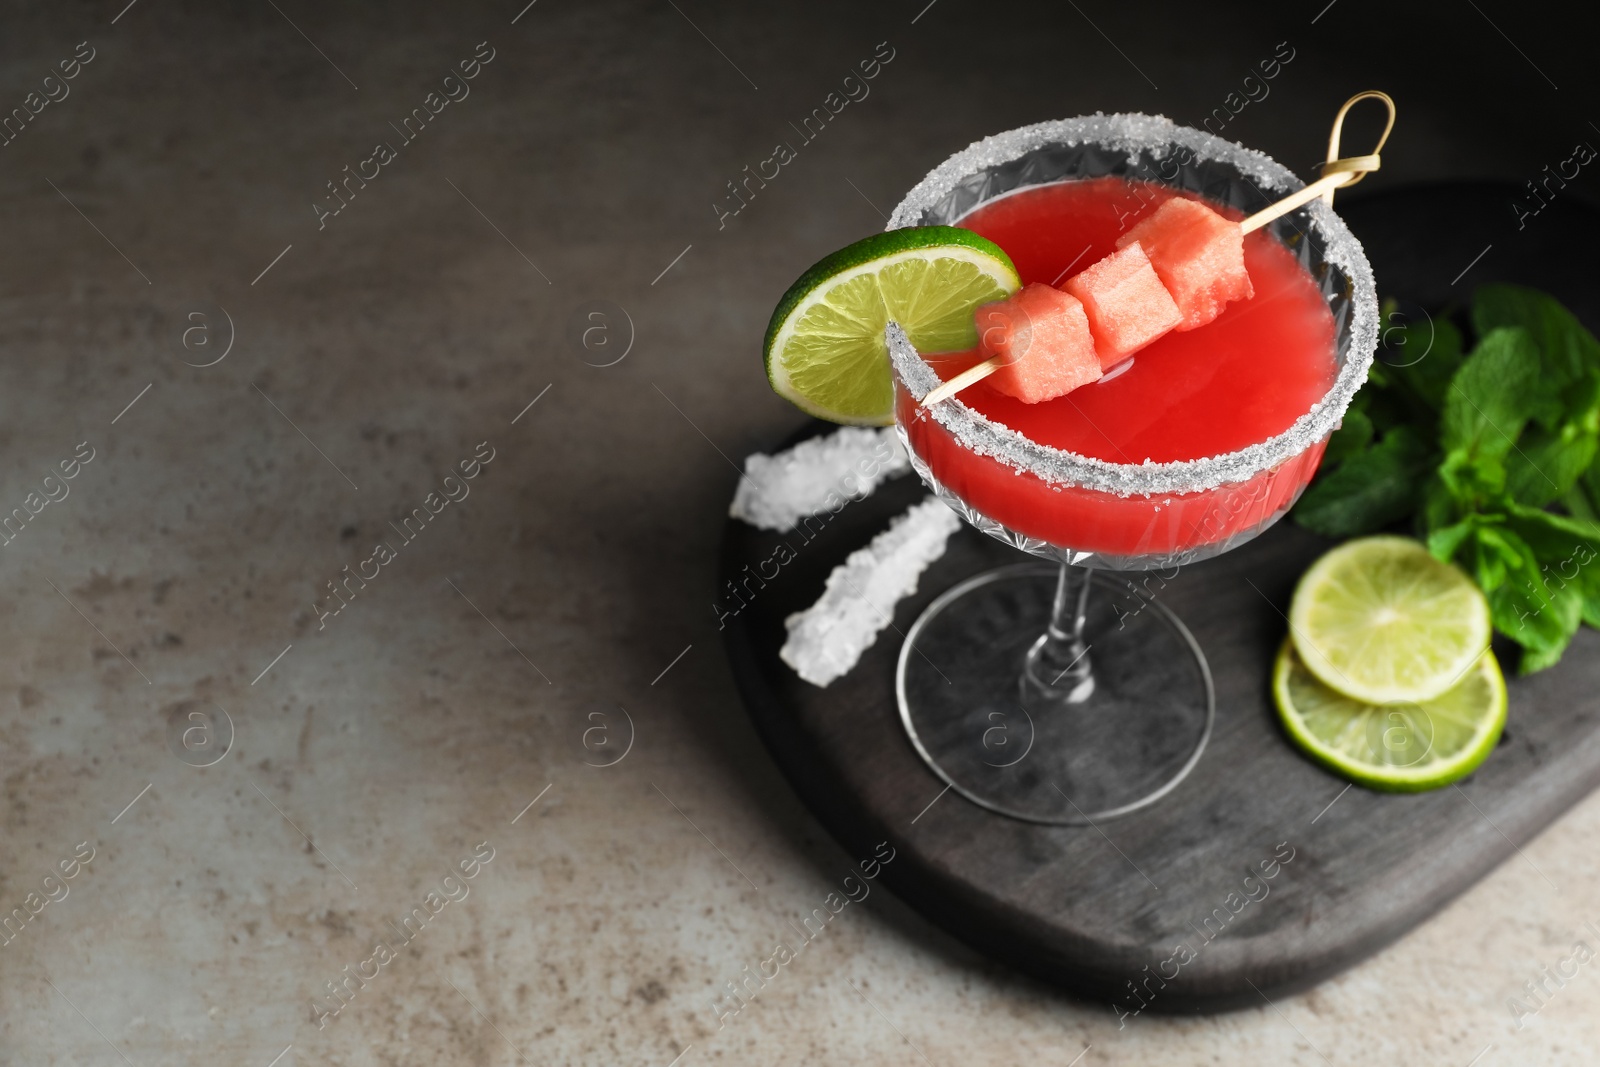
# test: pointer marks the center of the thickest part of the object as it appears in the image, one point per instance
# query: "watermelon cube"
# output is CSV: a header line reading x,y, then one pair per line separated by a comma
x,y
1042,338
1126,303
1198,255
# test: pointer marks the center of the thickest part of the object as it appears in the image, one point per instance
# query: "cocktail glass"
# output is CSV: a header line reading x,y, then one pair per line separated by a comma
x,y
1071,694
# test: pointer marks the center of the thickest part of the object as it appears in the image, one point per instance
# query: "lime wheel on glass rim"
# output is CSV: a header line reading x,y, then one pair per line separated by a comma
x,y
825,350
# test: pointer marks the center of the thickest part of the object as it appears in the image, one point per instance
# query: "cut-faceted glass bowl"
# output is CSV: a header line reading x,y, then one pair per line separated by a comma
x,y
1130,516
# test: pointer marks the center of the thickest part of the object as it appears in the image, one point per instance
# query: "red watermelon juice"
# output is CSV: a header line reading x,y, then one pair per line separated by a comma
x,y
1234,382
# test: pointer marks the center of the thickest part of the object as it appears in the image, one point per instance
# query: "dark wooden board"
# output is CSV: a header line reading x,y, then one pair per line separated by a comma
x,y
1091,910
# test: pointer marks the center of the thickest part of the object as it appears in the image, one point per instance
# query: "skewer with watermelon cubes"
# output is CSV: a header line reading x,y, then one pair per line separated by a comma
x,y
1175,270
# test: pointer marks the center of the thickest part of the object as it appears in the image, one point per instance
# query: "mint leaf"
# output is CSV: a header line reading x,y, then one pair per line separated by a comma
x,y
1368,490
1546,464
1576,501
1423,357
1492,396
1497,556
1537,615
1589,485
1566,546
1446,541
1473,481
1538,659
1568,353
1440,508
1407,382
1540,621
1353,436
1550,533
1567,350
1554,588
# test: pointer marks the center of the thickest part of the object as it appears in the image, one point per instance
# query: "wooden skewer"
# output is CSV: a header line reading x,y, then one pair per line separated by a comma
x,y
1337,172
971,376
1325,184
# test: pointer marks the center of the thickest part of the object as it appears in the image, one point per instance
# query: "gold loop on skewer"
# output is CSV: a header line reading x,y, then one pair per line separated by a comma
x,y
1358,166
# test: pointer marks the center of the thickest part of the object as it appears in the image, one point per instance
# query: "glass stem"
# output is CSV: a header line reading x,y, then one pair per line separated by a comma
x,y
1058,662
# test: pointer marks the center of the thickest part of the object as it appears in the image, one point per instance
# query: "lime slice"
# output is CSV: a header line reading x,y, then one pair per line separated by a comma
x,y
825,351
1382,621
1398,748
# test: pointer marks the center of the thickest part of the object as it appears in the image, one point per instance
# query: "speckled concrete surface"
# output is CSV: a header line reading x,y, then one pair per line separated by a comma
x,y
182,582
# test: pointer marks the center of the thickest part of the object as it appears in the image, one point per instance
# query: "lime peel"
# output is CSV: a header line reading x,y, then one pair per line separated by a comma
x,y
825,350
1399,748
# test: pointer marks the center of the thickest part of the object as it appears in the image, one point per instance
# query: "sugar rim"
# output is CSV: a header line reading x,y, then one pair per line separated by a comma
x,y
1156,135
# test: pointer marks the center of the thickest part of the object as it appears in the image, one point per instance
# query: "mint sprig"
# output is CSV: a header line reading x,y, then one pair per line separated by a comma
x,y
1492,454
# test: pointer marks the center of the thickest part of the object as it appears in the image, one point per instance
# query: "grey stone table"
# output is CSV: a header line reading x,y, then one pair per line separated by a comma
x,y
275,276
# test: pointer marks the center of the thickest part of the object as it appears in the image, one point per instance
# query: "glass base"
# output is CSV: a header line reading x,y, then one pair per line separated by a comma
x,y
1000,712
